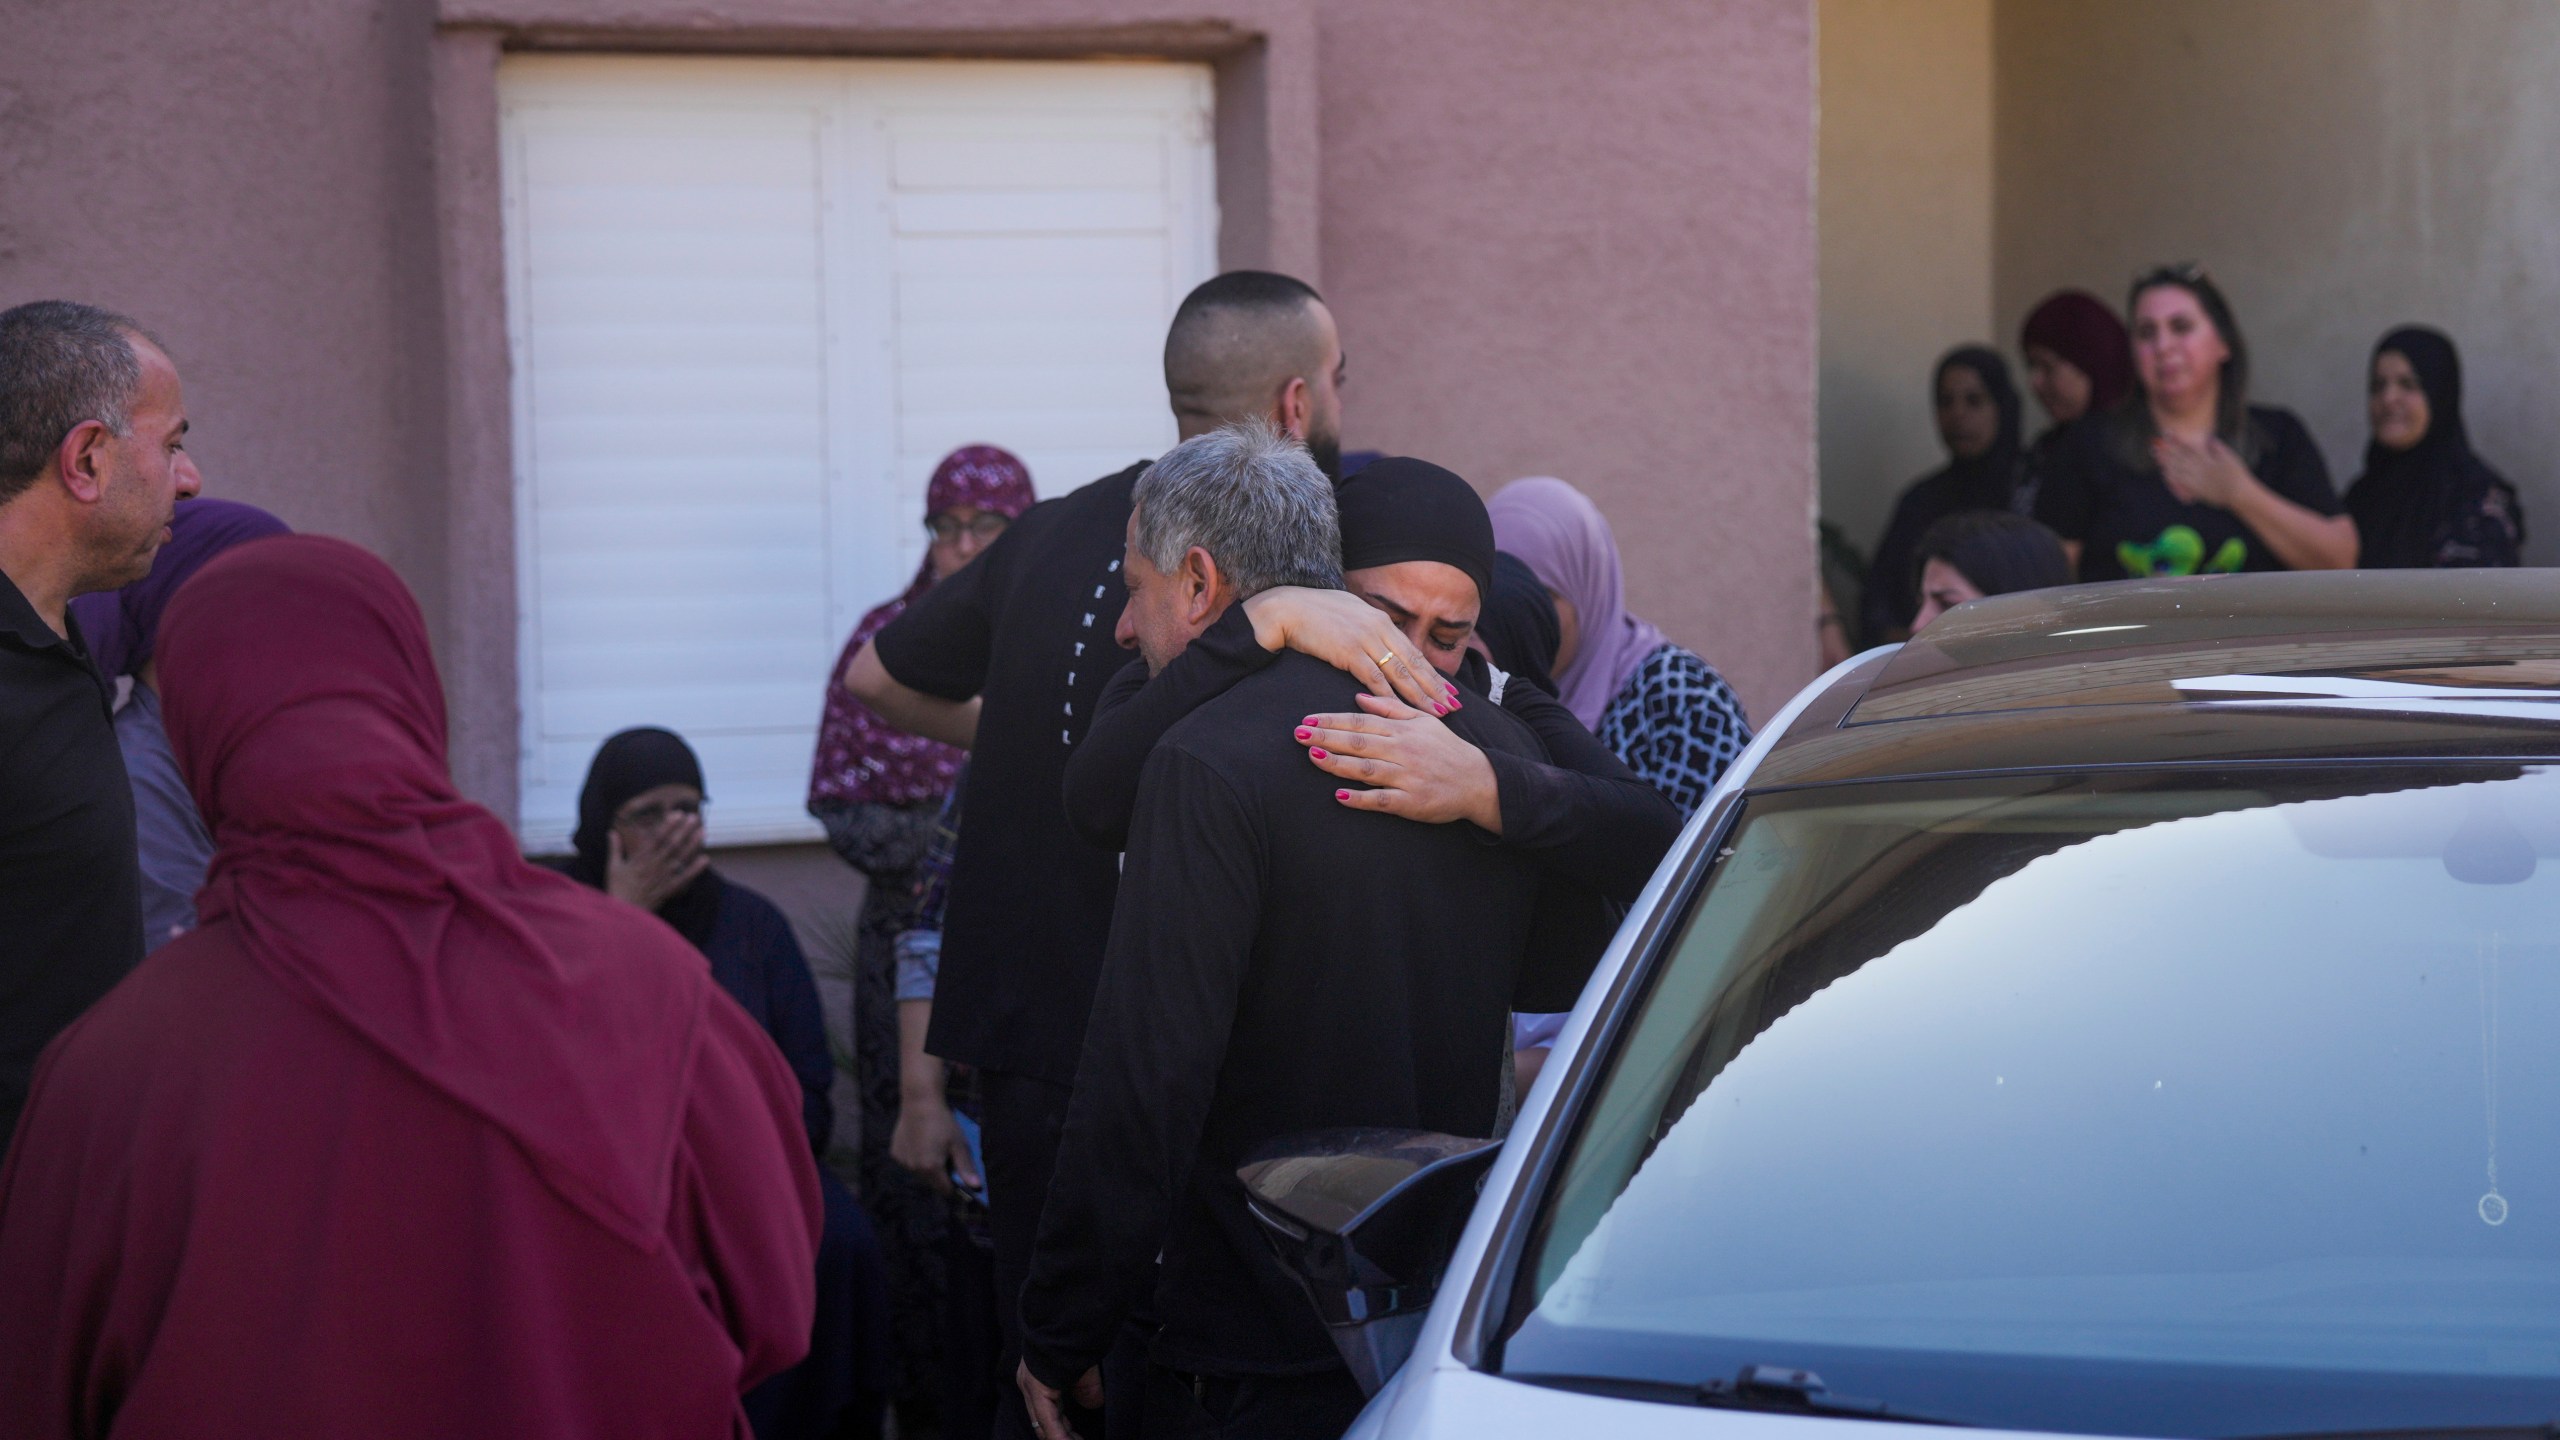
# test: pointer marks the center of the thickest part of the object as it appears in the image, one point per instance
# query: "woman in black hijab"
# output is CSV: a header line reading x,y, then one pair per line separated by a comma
x,y
639,839
1978,421
1519,627
2425,500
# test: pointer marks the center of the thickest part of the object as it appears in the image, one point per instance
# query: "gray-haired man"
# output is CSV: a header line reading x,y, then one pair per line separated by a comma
x,y
1278,962
92,467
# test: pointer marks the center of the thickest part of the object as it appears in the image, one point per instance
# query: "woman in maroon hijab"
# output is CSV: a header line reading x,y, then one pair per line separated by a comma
x,y
409,1137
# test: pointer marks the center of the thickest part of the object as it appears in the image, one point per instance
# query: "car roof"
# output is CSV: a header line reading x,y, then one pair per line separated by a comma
x,y
2334,666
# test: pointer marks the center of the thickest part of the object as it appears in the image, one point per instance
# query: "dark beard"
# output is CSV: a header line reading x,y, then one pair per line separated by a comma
x,y
1326,451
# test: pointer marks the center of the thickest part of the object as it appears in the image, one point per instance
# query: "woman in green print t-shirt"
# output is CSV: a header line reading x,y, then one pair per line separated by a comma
x,y
2187,477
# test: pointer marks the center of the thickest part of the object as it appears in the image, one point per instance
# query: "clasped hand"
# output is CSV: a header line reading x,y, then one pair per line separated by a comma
x,y
2209,473
1416,766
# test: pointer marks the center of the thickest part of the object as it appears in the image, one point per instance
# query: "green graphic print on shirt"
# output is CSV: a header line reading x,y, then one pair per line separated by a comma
x,y
2180,551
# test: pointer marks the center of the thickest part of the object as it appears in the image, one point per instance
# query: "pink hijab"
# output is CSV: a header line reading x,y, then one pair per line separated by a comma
x,y
1566,541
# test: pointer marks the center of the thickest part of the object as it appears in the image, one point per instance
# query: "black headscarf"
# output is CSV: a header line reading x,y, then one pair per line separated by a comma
x,y
1401,509
1519,622
1988,481
2408,502
629,764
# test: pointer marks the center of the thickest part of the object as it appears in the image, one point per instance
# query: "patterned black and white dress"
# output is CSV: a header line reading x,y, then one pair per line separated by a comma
x,y
1676,723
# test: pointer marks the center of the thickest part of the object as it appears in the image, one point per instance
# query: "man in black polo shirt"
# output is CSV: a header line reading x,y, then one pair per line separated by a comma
x,y
1007,657
91,471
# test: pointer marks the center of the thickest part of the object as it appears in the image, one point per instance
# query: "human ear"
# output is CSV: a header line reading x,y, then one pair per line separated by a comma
x,y
1295,408
81,459
1199,585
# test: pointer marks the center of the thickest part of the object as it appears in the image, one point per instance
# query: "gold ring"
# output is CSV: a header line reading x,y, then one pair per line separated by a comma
x,y
1384,658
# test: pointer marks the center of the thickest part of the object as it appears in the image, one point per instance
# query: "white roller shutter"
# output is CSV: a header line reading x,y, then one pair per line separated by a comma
x,y
752,302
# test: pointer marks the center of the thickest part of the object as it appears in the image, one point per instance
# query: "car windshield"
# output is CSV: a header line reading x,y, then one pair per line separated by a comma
x,y
2118,1103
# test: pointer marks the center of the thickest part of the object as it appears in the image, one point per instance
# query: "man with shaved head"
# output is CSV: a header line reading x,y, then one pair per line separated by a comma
x,y
1254,343
1007,657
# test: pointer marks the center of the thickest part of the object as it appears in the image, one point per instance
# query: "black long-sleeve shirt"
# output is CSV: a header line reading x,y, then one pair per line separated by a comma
x,y
1573,805
1279,962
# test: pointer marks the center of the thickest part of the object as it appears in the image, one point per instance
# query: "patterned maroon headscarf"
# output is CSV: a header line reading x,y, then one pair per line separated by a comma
x,y
862,759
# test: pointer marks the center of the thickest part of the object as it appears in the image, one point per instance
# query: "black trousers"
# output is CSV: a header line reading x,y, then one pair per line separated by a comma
x,y
1249,1407
1020,1120
971,1340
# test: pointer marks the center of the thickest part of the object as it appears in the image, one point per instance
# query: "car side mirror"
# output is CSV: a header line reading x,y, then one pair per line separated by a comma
x,y
1365,1219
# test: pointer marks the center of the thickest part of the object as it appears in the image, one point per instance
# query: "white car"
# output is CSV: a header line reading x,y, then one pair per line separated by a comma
x,y
2123,1010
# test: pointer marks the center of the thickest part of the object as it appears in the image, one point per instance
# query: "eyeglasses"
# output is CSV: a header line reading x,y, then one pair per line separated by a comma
x,y
949,528
649,816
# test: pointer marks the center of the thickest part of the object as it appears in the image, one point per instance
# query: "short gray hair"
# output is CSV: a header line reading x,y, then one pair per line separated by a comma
x,y
1252,498
61,364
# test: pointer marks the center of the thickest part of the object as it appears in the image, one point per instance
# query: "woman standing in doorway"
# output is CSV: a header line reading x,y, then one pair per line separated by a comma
x,y
1978,413
2079,364
877,790
2190,478
2425,500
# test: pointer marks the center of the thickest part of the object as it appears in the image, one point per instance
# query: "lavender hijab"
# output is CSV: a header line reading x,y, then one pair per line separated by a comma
x,y
122,626
1567,543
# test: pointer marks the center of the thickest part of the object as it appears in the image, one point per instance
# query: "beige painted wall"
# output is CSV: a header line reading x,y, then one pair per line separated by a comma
x,y
1905,210
2340,166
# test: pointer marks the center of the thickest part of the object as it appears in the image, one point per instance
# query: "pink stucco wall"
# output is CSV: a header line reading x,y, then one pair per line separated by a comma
x,y
251,181
1565,239
1578,240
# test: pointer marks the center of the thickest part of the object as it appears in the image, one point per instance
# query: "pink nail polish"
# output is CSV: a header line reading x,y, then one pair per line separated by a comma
x,y
1305,734
1319,754
1341,794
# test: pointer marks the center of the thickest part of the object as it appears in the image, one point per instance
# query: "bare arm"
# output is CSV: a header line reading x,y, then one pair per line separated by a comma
x,y
953,722
2303,538
927,1141
1586,818
1347,633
